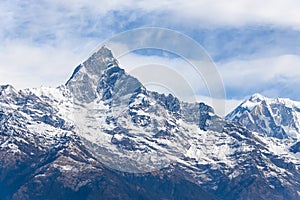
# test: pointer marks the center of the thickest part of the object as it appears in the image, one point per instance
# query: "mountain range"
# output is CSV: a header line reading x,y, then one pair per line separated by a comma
x,y
103,135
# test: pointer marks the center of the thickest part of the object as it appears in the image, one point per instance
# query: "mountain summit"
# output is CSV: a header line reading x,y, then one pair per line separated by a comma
x,y
101,76
278,117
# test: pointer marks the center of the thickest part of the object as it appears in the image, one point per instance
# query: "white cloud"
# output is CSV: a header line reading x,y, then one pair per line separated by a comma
x,y
241,12
24,65
261,69
209,12
273,76
72,14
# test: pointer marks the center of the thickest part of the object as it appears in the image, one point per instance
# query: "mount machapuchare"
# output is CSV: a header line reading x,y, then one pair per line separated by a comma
x,y
103,135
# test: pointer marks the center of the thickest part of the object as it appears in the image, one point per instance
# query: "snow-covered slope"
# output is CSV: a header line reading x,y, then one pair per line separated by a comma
x,y
81,137
278,117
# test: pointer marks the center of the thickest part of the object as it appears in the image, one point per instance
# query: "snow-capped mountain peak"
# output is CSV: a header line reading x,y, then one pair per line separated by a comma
x,y
278,117
101,76
7,90
257,97
95,64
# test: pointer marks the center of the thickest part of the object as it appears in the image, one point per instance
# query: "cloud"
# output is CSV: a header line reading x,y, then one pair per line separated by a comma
x,y
248,42
273,76
207,12
239,13
24,65
58,19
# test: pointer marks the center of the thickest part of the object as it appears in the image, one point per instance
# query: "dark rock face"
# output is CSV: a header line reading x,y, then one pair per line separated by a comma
x,y
170,102
43,156
295,148
204,115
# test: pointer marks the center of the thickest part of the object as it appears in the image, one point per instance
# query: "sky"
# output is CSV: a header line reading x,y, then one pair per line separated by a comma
x,y
255,46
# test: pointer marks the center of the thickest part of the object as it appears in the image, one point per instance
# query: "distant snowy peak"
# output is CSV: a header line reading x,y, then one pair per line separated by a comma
x,y
257,99
8,94
7,90
278,117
